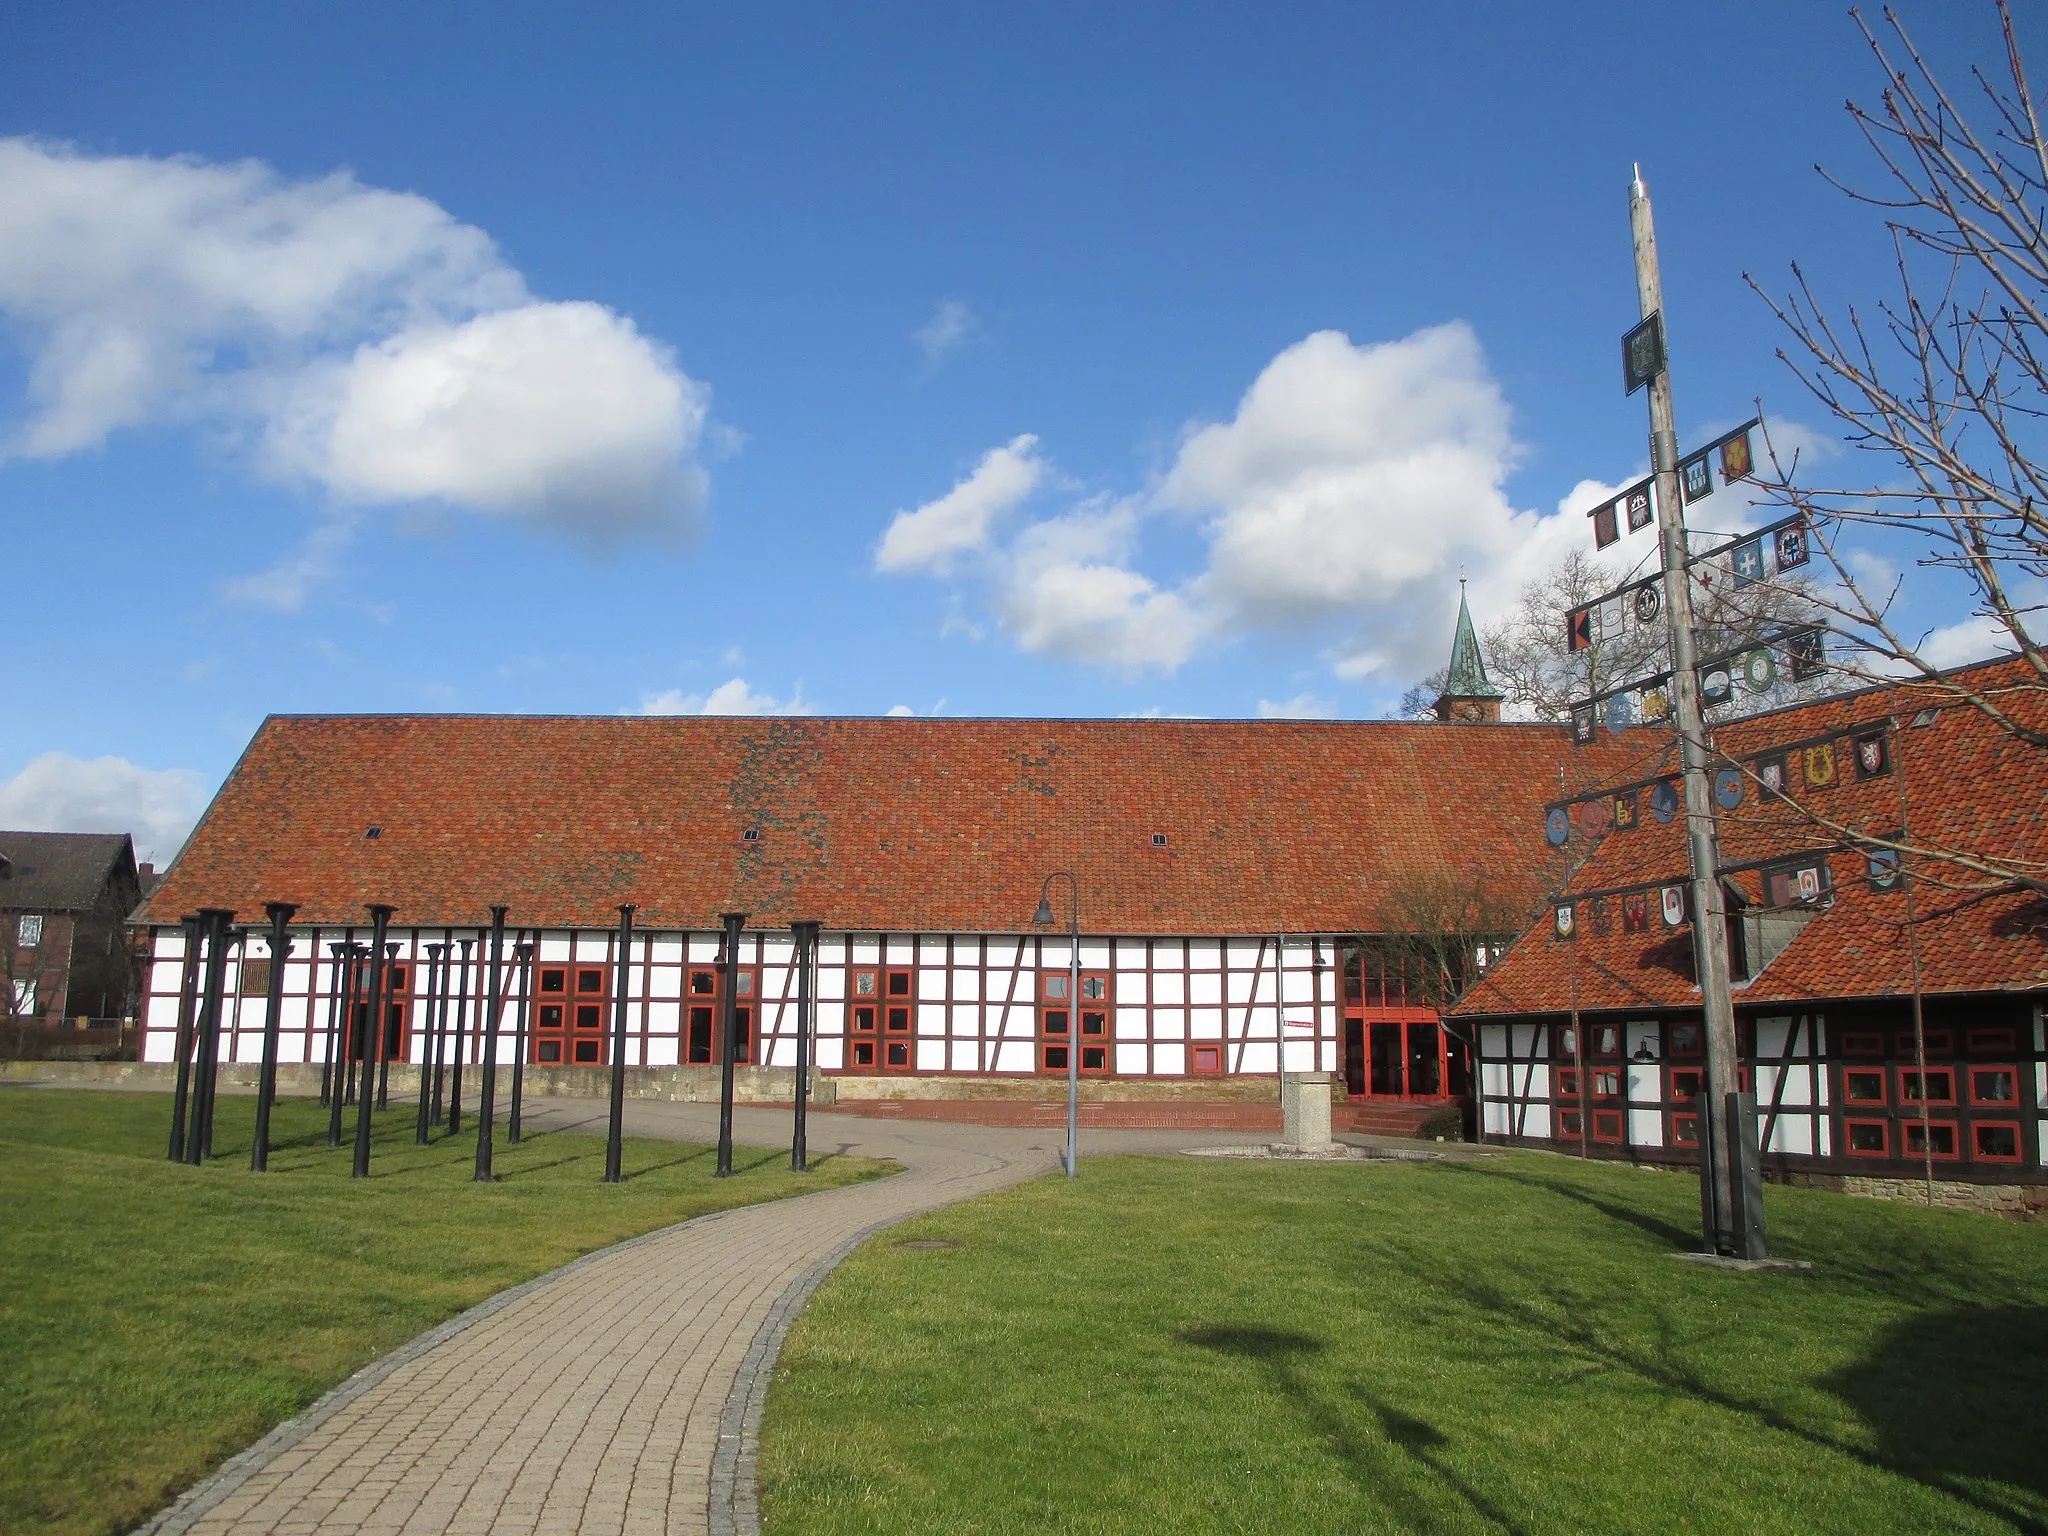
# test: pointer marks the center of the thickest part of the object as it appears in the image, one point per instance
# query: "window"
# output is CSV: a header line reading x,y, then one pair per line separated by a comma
x,y
1939,1086
1994,1085
1867,1138
24,997
554,979
1686,1082
863,983
1567,1042
28,930
1685,1130
899,983
1685,1039
1607,1040
1607,1084
1863,1085
1991,1039
569,1018
589,980
1208,1058
1570,1123
1158,839
1607,1125
1936,1138
1567,1083
1862,1042
1995,1142
1056,984
700,1021
1939,1043
1094,988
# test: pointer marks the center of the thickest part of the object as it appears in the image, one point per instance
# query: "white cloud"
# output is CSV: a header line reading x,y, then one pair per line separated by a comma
x,y
1303,706
732,697
952,325
360,339
931,537
899,712
57,792
1068,591
284,587
1976,638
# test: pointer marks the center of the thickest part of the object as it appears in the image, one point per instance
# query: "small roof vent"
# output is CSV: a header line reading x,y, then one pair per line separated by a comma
x,y
371,834
751,835
1158,839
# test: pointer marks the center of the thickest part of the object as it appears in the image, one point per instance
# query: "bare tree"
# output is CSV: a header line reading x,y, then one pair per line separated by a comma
x,y
1530,660
1443,926
1947,385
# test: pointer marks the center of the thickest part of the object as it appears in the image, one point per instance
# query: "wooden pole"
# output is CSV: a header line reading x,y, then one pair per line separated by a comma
x,y
1729,1156
280,914
615,1126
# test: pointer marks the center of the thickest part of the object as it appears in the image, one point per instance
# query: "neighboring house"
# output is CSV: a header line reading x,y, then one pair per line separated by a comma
x,y
1592,1042
1239,882
65,898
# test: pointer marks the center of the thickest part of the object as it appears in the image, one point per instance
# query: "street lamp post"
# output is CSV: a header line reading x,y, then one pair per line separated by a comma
x,y
1043,918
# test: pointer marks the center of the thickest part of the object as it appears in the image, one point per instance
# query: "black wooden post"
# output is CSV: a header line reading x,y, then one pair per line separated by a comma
x,y
198,1141
523,953
188,996
428,1041
444,952
728,981
336,951
806,956
384,1045
344,1060
488,1023
461,1043
615,1132
280,914
373,1042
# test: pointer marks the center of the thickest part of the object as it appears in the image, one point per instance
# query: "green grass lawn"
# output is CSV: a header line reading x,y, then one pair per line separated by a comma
x,y
1495,1345
155,1318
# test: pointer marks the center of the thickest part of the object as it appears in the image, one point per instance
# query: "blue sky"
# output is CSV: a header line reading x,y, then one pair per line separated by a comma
x,y
388,357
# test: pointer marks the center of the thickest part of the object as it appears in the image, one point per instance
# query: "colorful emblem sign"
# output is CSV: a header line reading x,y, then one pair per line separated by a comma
x,y
1735,461
1604,530
1566,921
1578,629
1593,818
1635,913
1747,562
1642,353
1770,771
1696,479
1728,789
1557,826
1618,712
1627,811
1882,867
1673,906
1638,508
1649,603
1807,651
1818,764
1716,686
1584,723
1793,549
1656,704
1759,671
1664,800
1873,756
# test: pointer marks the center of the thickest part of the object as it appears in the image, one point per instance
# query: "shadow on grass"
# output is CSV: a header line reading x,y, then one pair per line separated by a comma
x,y
1955,1397
1897,1401
1684,1238
1376,1467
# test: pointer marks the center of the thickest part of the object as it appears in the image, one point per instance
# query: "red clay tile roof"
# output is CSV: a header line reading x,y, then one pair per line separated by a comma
x,y
1969,784
931,825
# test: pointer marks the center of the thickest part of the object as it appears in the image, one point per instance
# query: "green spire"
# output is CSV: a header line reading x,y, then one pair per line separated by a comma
x,y
1467,677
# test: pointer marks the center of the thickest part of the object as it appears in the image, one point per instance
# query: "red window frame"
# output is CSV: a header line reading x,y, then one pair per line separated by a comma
x,y
1609,1082
1939,1042
1569,1122
1933,1133
1864,1074
1685,1130
1688,1053
1676,1090
1907,1098
1862,1042
1979,1155
1607,1042
1211,1049
1567,1083
1884,1136
1992,1040
571,1014
1094,1038
703,1040
1563,1046
2012,1096
1609,1125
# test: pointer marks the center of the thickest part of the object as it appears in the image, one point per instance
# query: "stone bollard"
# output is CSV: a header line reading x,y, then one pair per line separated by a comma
x,y
1305,1112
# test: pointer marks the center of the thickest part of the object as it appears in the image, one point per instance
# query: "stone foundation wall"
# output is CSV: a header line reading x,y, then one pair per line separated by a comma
x,y
2016,1202
676,1085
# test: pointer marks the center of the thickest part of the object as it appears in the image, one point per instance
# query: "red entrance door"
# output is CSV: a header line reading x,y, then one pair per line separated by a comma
x,y
1396,1053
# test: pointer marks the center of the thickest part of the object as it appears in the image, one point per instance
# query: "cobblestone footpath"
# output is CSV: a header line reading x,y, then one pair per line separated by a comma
x,y
619,1394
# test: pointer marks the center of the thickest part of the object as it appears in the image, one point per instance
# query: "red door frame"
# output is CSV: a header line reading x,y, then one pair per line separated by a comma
x,y
1365,1018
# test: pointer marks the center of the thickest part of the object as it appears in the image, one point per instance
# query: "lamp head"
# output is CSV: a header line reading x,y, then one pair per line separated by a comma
x,y
1042,918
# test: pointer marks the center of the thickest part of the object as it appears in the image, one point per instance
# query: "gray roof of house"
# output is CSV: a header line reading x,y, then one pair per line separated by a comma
x,y
57,871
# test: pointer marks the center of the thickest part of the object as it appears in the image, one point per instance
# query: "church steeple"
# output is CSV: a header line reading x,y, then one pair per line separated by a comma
x,y
1468,694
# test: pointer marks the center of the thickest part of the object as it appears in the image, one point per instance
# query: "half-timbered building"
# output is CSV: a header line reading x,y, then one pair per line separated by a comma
x,y
1590,1028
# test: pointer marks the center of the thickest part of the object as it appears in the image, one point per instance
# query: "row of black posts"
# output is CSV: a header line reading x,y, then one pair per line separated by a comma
x,y
210,933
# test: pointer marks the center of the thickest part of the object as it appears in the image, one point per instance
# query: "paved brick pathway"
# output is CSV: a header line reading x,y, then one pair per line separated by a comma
x,y
617,1395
